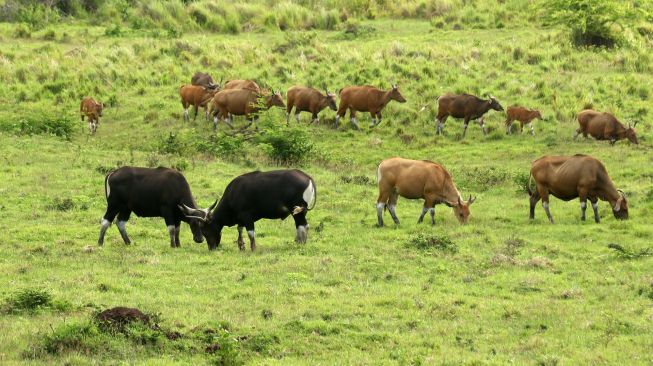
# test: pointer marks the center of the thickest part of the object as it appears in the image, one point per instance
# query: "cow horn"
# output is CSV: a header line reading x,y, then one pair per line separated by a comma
x,y
622,192
192,213
635,124
460,202
471,200
213,206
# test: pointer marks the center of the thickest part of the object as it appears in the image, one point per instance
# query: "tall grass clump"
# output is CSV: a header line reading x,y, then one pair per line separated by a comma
x,y
287,146
600,23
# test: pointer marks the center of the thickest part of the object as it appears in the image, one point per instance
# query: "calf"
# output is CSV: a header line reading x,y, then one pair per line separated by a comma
x,y
415,179
258,195
93,111
366,99
466,106
604,126
524,116
197,96
308,100
149,193
241,102
569,177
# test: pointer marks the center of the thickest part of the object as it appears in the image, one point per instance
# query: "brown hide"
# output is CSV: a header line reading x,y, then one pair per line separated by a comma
x,y
311,100
604,126
521,114
197,96
90,108
367,99
570,177
466,106
242,84
419,179
242,102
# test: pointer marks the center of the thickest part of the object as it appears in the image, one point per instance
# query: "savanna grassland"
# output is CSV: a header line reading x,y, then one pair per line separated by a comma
x,y
499,290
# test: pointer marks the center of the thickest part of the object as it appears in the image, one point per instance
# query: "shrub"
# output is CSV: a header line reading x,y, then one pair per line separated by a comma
x,y
29,300
70,337
592,22
430,241
62,127
287,146
171,145
61,204
223,146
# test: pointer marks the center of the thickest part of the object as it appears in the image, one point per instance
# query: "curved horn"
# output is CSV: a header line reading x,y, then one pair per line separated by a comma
x,y
213,206
460,202
471,200
635,124
622,192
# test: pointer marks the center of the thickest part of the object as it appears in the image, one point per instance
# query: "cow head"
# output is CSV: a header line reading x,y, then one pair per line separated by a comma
x,y
202,224
631,134
330,100
620,209
99,107
396,95
461,208
275,99
494,104
537,114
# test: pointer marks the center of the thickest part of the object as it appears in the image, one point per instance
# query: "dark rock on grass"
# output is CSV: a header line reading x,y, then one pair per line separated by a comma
x,y
119,317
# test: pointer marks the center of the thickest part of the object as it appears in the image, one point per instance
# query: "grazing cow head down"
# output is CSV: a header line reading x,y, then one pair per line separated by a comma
x,y
275,100
100,107
396,95
631,134
200,222
494,104
331,100
620,209
461,209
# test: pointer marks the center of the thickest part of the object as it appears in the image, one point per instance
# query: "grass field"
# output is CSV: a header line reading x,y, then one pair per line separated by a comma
x,y
499,290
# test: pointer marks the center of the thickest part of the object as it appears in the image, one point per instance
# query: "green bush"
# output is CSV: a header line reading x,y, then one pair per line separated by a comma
x,y
593,22
71,337
29,300
62,126
430,241
222,146
287,146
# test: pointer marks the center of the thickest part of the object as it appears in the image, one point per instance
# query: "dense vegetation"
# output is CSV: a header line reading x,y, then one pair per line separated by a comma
x,y
498,290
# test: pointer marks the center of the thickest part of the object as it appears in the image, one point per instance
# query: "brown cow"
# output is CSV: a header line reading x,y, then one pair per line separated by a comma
x,y
203,79
366,99
93,110
568,177
524,116
305,99
415,179
242,84
469,107
604,126
197,96
242,102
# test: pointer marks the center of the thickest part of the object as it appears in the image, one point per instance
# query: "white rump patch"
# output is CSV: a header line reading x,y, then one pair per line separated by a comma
x,y
378,174
309,194
107,187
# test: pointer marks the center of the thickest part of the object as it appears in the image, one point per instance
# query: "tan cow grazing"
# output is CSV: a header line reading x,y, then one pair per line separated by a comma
x,y
305,99
242,102
366,99
604,126
93,111
242,84
524,116
569,177
415,179
197,96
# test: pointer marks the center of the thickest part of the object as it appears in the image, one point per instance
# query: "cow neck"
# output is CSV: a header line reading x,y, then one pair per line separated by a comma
x,y
449,192
610,194
386,97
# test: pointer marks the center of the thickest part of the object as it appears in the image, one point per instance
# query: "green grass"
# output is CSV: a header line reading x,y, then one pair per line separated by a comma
x,y
512,291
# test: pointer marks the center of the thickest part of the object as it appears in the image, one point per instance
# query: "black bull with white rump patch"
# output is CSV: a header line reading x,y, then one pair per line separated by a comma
x,y
254,196
149,193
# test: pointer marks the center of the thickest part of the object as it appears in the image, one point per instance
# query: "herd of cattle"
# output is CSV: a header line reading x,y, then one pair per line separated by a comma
x,y
165,193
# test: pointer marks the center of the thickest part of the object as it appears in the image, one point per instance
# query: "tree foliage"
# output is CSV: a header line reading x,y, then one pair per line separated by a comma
x,y
595,22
